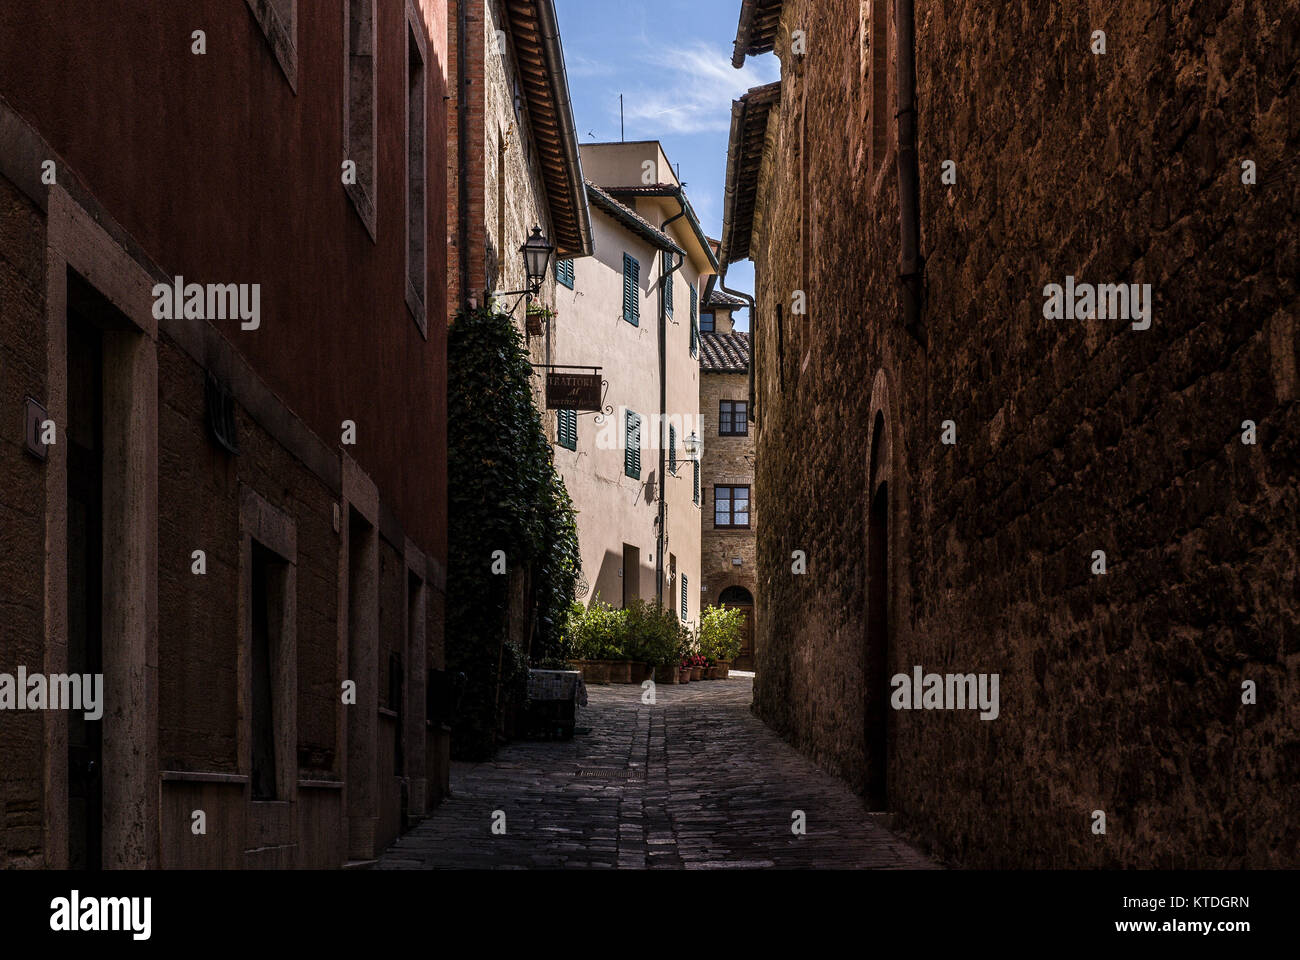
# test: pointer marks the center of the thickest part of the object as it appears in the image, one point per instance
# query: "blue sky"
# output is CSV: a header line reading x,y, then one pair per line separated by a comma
x,y
672,63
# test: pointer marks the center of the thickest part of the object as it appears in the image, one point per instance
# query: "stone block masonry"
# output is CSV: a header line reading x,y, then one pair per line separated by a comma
x,y
1120,692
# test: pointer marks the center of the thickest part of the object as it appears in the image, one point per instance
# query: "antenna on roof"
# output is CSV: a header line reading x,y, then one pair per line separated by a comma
x,y
621,137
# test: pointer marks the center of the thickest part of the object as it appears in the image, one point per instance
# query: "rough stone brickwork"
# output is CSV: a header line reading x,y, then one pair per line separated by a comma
x,y
22,518
505,196
1121,692
725,460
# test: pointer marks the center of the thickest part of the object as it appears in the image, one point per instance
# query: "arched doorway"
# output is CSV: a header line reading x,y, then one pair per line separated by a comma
x,y
738,598
876,715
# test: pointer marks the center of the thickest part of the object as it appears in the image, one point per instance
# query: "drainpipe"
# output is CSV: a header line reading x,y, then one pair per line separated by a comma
x,y
753,339
663,410
911,262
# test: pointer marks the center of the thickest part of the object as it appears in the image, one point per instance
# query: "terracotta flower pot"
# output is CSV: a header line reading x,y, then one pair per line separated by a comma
x,y
665,674
620,671
596,671
697,673
724,669
683,674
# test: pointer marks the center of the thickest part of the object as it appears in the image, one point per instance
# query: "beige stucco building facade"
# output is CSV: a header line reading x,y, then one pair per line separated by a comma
x,y
626,467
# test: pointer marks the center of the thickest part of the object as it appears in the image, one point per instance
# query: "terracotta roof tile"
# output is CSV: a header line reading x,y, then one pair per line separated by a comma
x,y
724,352
726,301
632,220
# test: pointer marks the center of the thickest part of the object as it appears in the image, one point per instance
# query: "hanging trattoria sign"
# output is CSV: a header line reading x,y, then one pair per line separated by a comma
x,y
567,390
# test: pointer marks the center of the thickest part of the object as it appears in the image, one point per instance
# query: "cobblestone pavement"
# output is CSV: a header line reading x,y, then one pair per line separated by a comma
x,y
695,781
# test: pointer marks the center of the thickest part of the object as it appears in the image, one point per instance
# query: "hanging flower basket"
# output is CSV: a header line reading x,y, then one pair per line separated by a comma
x,y
538,317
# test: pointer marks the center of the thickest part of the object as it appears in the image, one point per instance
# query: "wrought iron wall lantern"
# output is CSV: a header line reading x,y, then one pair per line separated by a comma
x,y
691,447
537,251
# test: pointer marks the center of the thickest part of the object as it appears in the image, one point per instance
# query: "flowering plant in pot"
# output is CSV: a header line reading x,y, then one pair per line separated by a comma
x,y
538,316
698,667
685,653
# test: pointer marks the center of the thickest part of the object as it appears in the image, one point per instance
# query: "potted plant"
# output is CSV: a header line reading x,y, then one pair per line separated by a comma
x,y
538,316
698,665
720,637
596,636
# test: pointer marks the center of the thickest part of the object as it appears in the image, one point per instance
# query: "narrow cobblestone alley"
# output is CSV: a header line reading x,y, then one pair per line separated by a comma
x,y
695,781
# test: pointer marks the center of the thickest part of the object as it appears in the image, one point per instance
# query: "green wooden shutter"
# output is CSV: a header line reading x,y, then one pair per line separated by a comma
x,y
697,482
568,429
631,290
632,456
672,449
685,587
564,273
668,281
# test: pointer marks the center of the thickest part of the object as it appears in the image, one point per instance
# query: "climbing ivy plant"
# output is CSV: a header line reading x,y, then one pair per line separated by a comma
x,y
511,522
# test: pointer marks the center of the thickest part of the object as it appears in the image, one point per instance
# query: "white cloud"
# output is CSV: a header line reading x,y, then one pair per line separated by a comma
x,y
576,65
690,89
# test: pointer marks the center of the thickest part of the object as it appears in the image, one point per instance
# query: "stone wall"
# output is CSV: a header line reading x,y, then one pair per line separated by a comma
x,y
513,192
726,460
22,519
1123,692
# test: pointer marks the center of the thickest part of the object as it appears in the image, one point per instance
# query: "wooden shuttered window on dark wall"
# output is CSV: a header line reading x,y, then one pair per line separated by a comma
x,y
696,465
568,429
672,448
668,282
632,456
631,290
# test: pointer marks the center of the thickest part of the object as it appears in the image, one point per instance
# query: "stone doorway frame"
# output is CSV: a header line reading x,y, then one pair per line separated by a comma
x,y
75,241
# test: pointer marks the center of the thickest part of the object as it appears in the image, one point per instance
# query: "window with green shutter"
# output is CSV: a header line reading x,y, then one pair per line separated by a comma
x,y
668,281
631,290
632,456
568,429
685,586
696,464
695,322
564,273
672,449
